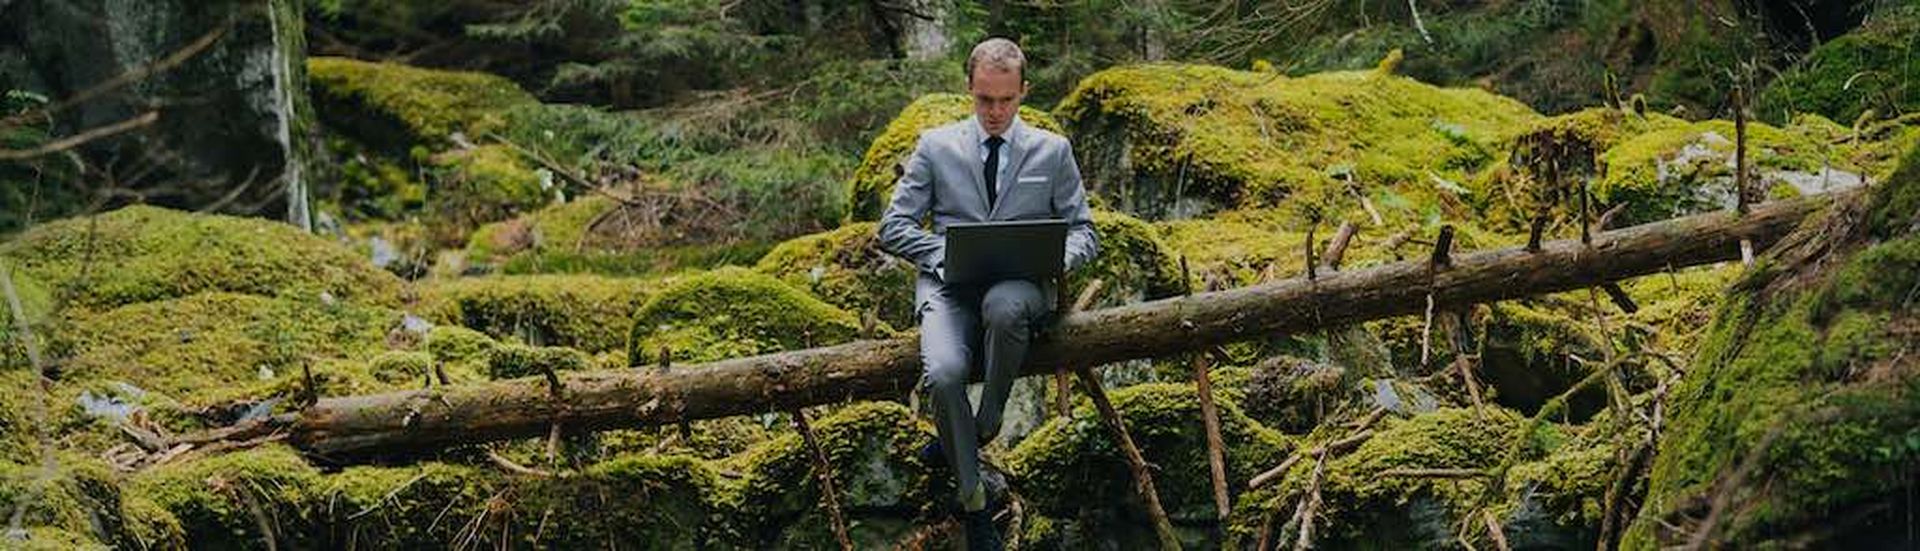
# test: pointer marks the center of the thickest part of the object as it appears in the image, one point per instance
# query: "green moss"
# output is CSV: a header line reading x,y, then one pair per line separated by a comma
x,y
400,367
1134,264
1167,140
210,348
846,268
1806,373
454,344
1675,171
647,262
1869,69
140,253
655,502
422,506
218,499
514,361
1070,468
872,184
873,450
428,104
733,312
484,184
565,227
587,312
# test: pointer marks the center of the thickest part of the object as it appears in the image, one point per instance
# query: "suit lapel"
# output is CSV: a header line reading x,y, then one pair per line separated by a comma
x,y
970,150
1016,152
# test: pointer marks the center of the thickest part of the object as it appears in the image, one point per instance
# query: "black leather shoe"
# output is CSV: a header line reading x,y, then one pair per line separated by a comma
x,y
933,456
981,533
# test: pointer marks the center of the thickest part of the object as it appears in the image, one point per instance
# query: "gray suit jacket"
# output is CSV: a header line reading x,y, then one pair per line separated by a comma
x,y
944,178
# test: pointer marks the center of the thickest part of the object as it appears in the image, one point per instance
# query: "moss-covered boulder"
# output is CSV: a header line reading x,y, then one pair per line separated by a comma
x,y
846,268
1173,140
222,502
139,254
873,449
734,312
1797,418
429,505
396,105
872,185
1135,262
514,361
484,184
219,348
78,504
1072,471
593,235
587,312
1864,72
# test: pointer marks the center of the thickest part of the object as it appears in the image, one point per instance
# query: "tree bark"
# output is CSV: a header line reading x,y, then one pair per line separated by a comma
x,y
355,427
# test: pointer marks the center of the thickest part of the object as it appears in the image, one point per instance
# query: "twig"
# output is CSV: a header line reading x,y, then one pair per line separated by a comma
x,y
1311,506
1136,463
139,73
1062,388
1606,218
1493,530
1338,446
1442,249
1337,249
824,471
1311,275
1426,333
1216,447
76,140
516,468
23,332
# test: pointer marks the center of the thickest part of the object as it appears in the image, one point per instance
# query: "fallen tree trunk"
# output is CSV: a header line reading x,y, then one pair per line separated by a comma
x,y
354,427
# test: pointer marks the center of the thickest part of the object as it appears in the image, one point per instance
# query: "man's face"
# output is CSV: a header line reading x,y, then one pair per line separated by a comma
x,y
996,97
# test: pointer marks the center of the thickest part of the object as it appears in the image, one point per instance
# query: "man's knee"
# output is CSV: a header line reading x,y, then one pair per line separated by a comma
x,y
945,370
1011,304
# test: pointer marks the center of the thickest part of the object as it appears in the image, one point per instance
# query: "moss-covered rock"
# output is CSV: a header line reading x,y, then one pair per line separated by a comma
x,y
513,361
480,185
846,268
218,348
653,502
872,184
1172,140
401,367
139,254
454,344
222,501
1135,262
430,505
1800,404
424,105
587,312
873,450
1071,468
733,312
564,227
1867,70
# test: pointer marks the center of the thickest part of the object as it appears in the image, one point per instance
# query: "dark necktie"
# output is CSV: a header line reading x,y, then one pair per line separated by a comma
x,y
993,170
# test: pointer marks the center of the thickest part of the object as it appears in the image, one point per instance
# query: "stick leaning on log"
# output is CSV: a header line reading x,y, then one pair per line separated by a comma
x,y
353,428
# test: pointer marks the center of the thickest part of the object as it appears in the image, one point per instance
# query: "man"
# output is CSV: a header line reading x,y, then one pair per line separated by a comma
x,y
991,166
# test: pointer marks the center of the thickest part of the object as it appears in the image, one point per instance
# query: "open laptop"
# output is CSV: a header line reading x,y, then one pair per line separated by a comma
x,y
982,252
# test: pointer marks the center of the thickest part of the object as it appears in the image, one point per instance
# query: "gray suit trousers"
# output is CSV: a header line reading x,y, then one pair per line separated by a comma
x,y
962,327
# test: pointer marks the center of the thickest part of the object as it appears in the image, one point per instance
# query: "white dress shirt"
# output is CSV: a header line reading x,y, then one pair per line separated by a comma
x,y
980,139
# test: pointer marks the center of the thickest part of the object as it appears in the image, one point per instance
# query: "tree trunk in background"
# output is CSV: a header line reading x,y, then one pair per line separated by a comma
x,y
355,427
234,128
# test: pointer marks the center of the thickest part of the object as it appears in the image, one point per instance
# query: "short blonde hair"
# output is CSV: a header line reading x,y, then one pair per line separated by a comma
x,y
998,53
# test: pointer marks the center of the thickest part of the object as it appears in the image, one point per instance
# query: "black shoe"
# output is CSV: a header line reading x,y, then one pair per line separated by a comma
x,y
982,535
933,456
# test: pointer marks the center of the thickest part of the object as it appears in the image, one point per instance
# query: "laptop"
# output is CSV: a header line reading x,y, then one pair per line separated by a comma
x,y
985,252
